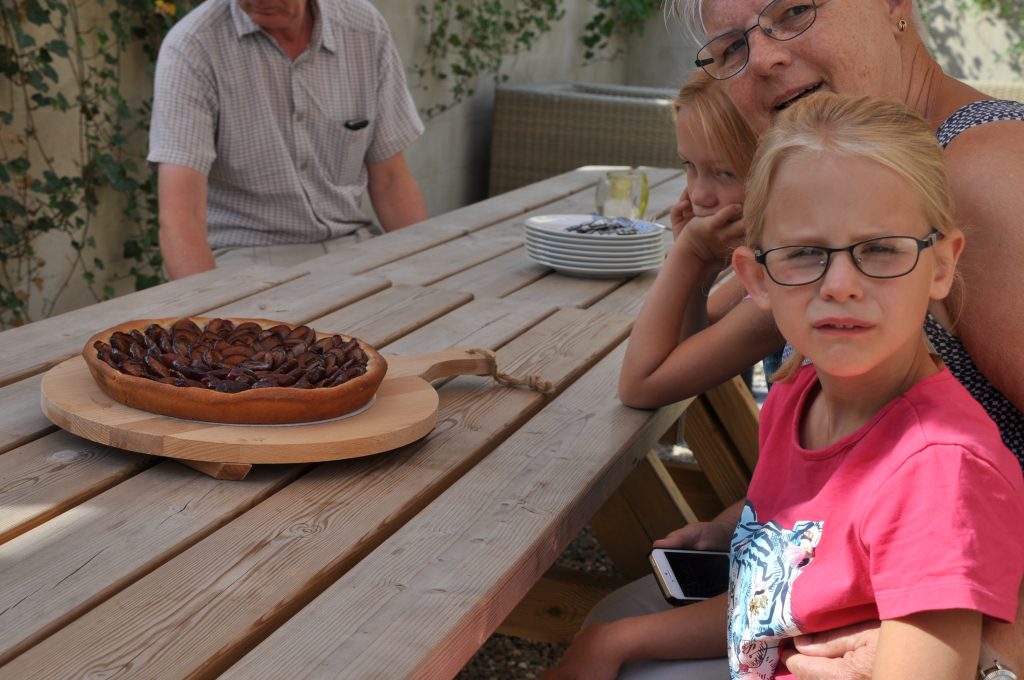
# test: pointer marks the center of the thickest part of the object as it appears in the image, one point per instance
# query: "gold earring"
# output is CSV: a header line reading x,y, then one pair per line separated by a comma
x,y
902,25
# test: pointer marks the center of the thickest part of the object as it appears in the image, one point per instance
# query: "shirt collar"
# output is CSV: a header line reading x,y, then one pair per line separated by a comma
x,y
323,31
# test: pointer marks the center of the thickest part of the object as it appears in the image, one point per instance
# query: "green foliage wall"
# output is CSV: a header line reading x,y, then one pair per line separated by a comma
x,y
62,65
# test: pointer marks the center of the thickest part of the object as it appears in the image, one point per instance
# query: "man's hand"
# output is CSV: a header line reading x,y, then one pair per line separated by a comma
x,y
840,654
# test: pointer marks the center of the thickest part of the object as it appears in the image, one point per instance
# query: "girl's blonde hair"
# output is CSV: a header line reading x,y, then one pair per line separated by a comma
x,y
878,130
725,128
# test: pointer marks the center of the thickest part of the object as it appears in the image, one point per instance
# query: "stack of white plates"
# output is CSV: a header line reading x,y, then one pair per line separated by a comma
x,y
595,246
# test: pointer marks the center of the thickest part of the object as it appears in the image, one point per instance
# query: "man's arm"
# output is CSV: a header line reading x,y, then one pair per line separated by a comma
x,y
182,196
395,195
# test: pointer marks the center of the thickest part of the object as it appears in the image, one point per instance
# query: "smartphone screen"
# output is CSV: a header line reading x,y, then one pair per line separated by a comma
x,y
687,576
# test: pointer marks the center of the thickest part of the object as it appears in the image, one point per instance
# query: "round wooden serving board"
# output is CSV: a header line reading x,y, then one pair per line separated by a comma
x,y
404,409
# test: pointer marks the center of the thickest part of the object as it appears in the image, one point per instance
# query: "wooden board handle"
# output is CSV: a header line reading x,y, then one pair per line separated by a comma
x,y
444,364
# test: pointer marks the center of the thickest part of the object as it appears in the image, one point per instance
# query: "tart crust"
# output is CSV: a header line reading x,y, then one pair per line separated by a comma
x,y
263,406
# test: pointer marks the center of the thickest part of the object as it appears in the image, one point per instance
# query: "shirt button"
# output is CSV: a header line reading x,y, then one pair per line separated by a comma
x,y
299,116
302,166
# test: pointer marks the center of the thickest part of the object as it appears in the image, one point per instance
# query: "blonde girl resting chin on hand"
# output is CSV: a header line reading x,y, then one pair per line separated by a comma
x,y
672,352
883,490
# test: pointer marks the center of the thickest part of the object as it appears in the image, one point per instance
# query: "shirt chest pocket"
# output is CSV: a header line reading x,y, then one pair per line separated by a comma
x,y
334,130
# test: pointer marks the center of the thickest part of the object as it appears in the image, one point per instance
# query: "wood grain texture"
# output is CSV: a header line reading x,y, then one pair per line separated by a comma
x,y
423,601
715,452
498,276
736,410
163,504
627,298
556,606
432,265
158,513
646,507
484,322
33,348
202,610
403,410
309,297
48,476
393,313
21,419
395,245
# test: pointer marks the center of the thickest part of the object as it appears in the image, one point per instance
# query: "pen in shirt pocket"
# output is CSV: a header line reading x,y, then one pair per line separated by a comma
x,y
356,123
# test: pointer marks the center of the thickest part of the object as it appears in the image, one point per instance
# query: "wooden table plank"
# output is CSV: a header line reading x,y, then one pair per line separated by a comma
x,y
35,475
61,569
202,610
627,298
395,245
413,608
429,266
125,560
583,292
44,478
498,276
33,348
21,418
484,322
566,291
433,265
309,297
393,312
298,301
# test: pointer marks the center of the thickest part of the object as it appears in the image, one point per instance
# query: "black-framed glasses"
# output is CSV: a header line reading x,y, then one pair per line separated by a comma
x,y
726,55
885,257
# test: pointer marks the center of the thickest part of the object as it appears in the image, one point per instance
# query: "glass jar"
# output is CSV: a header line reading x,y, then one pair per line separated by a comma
x,y
622,193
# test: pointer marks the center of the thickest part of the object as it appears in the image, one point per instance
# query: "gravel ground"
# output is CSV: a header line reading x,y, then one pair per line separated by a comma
x,y
504,657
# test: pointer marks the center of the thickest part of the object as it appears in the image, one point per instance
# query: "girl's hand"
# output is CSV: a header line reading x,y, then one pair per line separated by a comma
x,y
590,657
699,536
681,214
711,238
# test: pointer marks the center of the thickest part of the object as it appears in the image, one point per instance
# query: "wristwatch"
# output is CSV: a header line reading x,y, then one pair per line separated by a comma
x,y
996,672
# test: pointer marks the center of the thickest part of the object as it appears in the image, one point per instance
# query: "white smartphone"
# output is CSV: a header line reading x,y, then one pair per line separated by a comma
x,y
688,576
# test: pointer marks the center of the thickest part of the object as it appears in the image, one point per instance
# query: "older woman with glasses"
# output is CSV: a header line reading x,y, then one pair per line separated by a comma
x,y
771,55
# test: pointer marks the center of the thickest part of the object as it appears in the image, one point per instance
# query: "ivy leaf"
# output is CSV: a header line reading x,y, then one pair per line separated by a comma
x,y
10,206
58,47
35,13
19,165
132,250
8,235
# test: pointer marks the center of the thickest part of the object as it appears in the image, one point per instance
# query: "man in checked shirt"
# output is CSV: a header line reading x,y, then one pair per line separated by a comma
x,y
270,119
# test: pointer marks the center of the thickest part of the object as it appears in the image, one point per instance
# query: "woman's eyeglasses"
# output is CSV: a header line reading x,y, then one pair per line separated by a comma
x,y
726,55
886,257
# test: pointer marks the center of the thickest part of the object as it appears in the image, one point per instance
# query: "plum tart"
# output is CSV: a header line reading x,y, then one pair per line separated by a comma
x,y
227,370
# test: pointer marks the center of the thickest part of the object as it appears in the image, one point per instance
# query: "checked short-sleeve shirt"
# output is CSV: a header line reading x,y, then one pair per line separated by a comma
x,y
284,144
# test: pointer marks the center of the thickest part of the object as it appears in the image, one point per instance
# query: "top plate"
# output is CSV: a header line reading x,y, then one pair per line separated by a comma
x,y
564,225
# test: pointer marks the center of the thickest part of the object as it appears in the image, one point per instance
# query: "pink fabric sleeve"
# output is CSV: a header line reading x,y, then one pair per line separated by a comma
x,y
946,533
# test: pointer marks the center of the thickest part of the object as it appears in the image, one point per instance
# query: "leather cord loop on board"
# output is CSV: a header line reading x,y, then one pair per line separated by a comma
x,y
529,381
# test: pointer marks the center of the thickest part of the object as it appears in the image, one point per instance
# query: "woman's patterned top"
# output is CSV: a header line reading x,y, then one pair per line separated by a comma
x,y
1009,419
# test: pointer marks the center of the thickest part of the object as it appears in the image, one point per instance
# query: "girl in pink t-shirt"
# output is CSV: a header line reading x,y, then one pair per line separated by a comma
x,y
883,491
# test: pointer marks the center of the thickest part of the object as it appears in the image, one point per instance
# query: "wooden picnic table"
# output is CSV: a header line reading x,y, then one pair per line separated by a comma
x,y
117,564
